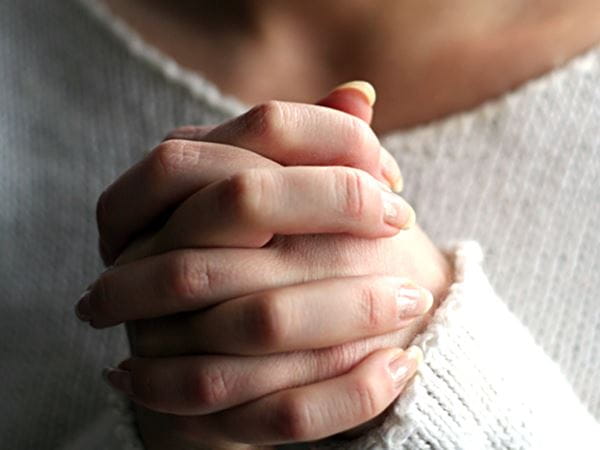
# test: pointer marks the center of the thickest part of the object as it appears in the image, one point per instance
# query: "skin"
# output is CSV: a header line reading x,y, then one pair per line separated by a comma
x,y
369,314
427,62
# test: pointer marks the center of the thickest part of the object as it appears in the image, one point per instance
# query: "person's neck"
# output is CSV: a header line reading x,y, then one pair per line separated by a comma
x,y
426,59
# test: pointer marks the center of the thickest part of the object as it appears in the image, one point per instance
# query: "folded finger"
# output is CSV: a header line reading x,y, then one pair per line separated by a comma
x,y
322,409
249,208
356,98
302,134
307,316
180,281
203,384
179,166
166,177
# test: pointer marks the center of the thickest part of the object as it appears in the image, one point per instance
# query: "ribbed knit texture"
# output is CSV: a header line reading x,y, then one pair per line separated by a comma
x,y
485,384
78,105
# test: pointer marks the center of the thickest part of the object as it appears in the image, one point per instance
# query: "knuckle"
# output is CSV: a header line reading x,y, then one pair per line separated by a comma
x,y
361,141
363,395
188,278
171,158
266,322
372,314
209,388
351,192
265,121
293,419
247,194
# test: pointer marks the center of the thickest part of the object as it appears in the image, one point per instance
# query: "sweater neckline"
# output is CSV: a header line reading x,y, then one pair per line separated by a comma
x,y
203,89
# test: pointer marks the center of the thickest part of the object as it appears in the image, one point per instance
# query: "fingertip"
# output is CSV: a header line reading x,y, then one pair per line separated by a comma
x,y
118,379
397,212
83,309
403,365
355,98
412,300
398,185
126,365
415,354
364,87
411,220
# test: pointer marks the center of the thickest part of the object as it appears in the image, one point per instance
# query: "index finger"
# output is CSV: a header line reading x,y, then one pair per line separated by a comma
x,y
276,133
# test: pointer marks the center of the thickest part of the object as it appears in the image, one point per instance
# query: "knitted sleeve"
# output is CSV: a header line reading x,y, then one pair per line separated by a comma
x,y
484,384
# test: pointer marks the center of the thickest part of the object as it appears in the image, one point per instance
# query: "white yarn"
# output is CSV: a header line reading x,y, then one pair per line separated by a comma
x,y
484,384
82,99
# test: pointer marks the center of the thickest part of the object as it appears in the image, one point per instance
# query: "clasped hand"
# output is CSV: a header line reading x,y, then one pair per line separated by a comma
x,y
268,276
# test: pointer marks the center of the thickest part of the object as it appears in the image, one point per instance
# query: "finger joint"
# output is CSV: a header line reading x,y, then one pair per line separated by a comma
x,y
267,323
189,278
209,388
172,157
364,397
264,122
249,196
293,420
351,193
371,311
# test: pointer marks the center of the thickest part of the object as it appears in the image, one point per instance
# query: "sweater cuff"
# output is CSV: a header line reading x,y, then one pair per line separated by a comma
x,y
484,382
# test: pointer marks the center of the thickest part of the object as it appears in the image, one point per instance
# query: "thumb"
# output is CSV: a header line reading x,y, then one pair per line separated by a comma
x,y
356,98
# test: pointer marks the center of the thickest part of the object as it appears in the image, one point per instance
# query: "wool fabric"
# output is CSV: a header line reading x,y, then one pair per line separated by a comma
x,y
512,357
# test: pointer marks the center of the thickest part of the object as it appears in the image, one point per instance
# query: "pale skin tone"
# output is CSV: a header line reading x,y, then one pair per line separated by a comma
x,y
426,62
289,330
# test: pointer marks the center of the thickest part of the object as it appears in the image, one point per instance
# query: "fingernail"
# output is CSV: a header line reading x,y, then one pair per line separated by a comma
x,y
118,379
363,87
404,365
397,212
391,171
83,310
384,186
412,300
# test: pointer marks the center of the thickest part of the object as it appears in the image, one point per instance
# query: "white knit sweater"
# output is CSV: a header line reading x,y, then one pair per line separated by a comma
x,y
81,100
